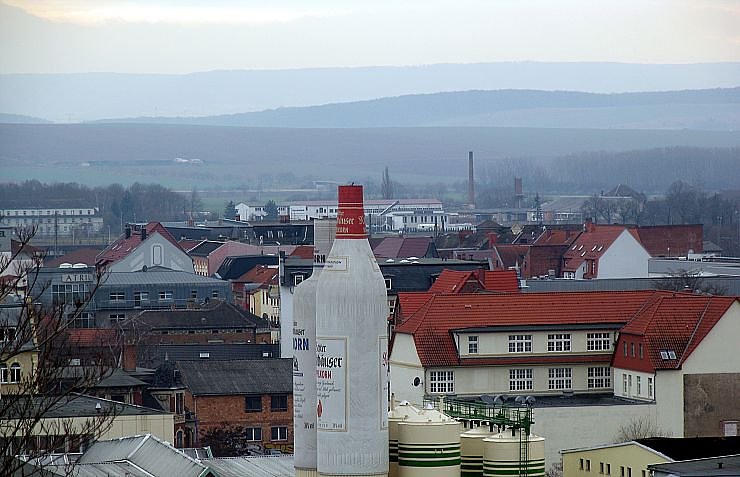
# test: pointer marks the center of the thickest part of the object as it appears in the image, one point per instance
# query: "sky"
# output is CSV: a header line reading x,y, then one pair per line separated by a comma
x,y
161,36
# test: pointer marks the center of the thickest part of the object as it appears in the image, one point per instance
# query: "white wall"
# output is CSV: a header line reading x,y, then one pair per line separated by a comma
x,y
404,367
712,354
171,256
625,258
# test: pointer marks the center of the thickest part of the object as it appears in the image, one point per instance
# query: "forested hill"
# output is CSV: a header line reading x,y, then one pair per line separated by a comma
x,y
716,109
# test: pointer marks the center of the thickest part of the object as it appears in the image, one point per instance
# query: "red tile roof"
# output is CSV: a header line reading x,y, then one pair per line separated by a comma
x,y
188,245
303,251
431,325
92,336
675,322
511,255
503,281
409,303
81,255
122,247
672,240
403,247
591,245
455,281
261,274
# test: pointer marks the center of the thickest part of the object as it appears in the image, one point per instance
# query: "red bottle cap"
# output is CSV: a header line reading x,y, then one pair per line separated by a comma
x,y
351,213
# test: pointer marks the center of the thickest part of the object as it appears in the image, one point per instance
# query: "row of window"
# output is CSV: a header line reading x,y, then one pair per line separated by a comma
x,y
605,468
556,342
277,433
141,296
253,403
627,389
9,212
14,376
522,379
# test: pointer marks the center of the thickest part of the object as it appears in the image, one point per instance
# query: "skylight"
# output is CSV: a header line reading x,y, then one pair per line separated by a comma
x,y
667,354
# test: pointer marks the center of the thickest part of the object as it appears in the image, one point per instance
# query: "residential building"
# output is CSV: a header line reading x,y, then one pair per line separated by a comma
x,y
638,457
144,246
262,290
121,295
208,256
605,251
17,358
674,351
539,344
254,396
50,222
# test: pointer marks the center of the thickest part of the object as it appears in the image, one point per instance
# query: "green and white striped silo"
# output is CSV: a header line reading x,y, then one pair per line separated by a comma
x,y
429,444
400,412
505,455
471,451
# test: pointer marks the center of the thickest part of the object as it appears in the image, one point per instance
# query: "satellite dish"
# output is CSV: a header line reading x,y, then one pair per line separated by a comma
x,y
530,400
520,400
499,399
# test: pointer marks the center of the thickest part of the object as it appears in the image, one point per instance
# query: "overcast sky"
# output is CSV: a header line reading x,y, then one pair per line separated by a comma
x,y
161,36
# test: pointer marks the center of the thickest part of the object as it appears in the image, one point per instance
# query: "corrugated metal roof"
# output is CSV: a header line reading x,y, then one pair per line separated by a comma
x,y
262,466
157,276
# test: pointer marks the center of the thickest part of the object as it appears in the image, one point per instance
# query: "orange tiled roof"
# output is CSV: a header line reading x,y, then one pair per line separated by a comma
x,y
409,303
677,322
303,251
431,325
503,281
122,247
591,245
672,240
453,281
261,274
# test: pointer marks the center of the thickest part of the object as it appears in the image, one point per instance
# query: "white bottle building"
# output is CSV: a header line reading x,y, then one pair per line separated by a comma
x,y
304,355
352,351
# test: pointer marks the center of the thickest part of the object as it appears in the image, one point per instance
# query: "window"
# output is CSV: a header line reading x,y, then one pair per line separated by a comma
x,y
560,378
608,469
279,433
214,294
624,384
601,467
140,296
297,279
253,434
279,402
117,296
193,294
639,385
473,344
388,283
179,403
520,343
15,373
641,352
599,377
625,349
179,438
588,465
558,342
165,295
598,341
580,464
253,403
3,373
441,382
621,471
650,387
83,319
116,318
520,379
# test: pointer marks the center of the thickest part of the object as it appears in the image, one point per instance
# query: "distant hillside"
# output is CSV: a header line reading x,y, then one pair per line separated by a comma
x,y
21,119
91,96
690,109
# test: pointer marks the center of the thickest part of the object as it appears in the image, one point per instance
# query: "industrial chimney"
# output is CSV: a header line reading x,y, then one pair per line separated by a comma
x,y
471,181
351,351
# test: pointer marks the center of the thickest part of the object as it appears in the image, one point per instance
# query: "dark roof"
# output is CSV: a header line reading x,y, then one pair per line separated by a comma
x,y
205,248
161,353
235,267
78,405
122,247
256,376
216,315
684,448
119,378
81,255
417,275
405,247
728,465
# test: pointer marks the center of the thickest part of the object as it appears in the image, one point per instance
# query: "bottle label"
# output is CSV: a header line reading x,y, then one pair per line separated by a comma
x,y
331,384
350,213
337,264
384,379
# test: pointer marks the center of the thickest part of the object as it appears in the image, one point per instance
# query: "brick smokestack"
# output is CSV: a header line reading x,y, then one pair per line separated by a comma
x,y
471,181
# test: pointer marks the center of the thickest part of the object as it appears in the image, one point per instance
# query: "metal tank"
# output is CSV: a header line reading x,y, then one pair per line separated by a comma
x,y
400,411
429,444
513,453
352,351
471,451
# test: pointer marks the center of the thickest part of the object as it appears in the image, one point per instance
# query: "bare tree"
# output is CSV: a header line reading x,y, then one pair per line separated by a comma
x,y
36,349
689,281
640,428
386,185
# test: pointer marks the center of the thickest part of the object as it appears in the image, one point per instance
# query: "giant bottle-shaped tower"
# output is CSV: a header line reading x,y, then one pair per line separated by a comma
x,y
351,351
304,355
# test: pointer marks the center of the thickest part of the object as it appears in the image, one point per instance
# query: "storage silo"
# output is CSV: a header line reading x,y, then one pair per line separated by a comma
x,y
429,444
304,355
399,412
512,453
471,451
352,351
